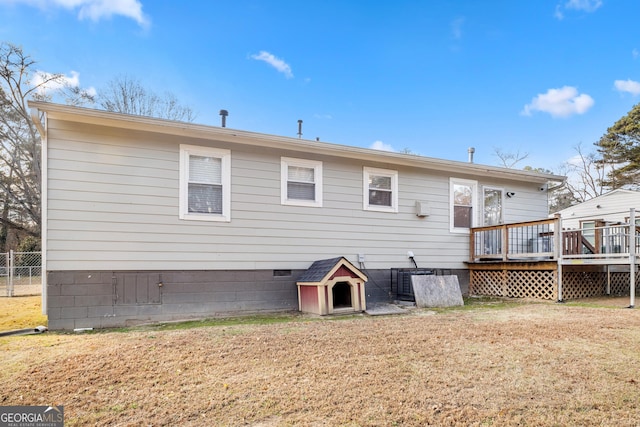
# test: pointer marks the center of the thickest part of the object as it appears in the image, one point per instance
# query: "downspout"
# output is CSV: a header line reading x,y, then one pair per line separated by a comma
x,y
42,129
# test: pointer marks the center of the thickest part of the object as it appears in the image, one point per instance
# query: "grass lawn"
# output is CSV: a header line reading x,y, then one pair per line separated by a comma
x,y
21,313
492,363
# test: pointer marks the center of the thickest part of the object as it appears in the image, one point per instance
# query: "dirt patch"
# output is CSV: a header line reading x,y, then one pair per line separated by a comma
x,y
523,364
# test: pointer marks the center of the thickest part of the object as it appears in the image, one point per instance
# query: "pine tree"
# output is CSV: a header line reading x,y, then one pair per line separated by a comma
x,y
619,150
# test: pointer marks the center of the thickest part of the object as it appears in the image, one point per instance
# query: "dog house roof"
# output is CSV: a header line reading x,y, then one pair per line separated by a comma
x,y
320,270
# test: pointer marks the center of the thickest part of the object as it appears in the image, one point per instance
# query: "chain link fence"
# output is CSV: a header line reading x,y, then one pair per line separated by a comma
x,y
20,273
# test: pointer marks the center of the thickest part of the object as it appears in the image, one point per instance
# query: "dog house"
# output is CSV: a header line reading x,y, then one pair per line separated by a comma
x,y
332,286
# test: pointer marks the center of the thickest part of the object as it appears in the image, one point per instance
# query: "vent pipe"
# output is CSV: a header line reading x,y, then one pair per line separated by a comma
x,y
471,150
299,128
223,116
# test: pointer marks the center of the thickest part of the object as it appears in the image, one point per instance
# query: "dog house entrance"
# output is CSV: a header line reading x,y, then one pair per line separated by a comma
x,y
342,295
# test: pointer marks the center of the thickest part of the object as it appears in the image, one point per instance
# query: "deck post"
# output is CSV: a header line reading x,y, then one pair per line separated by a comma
x,y
505,242
558,251
632,257
472,245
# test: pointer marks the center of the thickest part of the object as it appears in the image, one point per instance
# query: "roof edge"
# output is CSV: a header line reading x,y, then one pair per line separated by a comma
x,y
152,124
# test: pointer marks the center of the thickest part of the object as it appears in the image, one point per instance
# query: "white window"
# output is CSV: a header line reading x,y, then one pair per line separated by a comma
x,y
463,202
205,183
301,182
589,231
380,190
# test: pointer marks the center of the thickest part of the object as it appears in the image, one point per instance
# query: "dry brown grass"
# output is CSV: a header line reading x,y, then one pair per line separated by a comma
x,y
526,364
21,312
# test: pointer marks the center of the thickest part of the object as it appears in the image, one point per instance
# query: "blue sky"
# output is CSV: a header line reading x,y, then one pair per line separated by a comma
x,y
433,77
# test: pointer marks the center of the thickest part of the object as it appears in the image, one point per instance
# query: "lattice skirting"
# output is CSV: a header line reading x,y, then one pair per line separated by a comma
x,y
539,284
620,283
583,284
542,284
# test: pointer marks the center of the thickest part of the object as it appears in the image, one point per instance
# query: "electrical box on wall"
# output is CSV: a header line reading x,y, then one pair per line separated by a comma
x,y
422,209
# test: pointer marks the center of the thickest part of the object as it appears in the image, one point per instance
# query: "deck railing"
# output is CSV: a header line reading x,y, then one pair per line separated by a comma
x,y
516,241
537,240
605,241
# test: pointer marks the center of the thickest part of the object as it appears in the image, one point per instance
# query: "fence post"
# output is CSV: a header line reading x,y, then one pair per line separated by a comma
x,y
11,271
5,276
632,257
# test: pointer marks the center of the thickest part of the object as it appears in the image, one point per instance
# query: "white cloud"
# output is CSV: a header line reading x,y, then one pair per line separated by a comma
x,y
456,28
635,53
46,82
558,13
379,145
630,86
563,102
584,5
323,116
96,9
275,62
576,5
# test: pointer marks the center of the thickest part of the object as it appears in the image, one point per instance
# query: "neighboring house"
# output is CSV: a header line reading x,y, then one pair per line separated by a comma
x,y
148,220
609,208
596,219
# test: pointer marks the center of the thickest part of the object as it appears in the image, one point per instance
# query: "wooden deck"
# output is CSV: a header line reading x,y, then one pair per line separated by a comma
x,y
532,260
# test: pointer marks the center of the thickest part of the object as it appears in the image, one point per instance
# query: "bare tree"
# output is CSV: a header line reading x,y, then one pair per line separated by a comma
x,y
20,164
509,159
127,95
585,175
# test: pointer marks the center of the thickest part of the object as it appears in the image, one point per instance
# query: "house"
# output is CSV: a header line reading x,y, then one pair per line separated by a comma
x,y
149,220
598,222
611,207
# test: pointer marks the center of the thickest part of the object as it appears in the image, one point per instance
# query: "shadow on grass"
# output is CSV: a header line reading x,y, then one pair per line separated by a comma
x,y
470,303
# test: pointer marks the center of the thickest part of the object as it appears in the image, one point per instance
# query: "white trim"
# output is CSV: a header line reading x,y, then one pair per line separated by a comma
x,y
212,133
44,206
474,204
225,157
393,174
285,162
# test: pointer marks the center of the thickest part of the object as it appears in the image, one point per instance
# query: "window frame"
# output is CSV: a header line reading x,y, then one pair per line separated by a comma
x,y
484,203
474,204
225,164
393,174
316,165
589,230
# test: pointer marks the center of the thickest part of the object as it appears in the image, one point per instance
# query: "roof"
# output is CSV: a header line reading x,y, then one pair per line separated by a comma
x,y
319,270
170,127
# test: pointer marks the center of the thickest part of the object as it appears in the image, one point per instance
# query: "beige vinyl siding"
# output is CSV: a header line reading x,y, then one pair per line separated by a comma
x,y
113,205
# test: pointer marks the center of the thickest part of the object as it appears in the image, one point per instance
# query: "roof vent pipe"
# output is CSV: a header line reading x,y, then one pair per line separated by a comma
x,y
471,150
223,115
299,128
